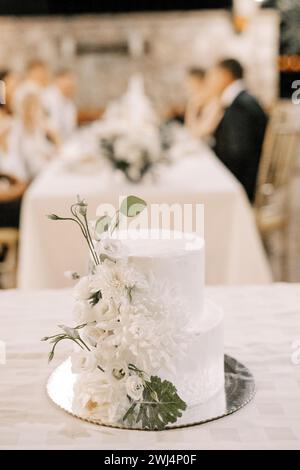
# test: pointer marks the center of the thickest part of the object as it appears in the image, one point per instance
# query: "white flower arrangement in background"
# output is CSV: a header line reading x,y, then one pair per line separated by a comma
x,y
133,153
125,332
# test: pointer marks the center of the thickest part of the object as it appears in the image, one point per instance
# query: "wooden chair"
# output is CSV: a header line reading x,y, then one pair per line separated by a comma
x,y
11,192
8,266
272,199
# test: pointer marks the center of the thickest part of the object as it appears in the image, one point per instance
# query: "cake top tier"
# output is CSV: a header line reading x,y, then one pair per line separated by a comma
x,y
159,243
172,259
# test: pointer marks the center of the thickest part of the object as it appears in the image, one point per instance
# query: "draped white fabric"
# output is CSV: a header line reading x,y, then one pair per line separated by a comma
x,y
234,253
261,324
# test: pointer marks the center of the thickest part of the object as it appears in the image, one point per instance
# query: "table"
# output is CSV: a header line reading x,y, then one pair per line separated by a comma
x,y
234,253
261,323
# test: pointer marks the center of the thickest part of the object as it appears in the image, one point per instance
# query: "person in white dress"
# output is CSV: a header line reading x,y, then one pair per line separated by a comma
x,y
58,100
32,140
37,78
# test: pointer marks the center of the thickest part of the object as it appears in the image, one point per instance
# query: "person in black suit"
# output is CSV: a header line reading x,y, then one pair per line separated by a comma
x,y
239,136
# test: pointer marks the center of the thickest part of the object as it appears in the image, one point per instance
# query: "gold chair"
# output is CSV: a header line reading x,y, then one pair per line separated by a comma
x,y
272,199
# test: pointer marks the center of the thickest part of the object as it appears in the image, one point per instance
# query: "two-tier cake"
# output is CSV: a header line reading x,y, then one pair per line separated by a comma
x,y
148,346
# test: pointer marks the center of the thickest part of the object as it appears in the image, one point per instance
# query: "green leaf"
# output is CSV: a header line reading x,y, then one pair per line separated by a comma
x,y
160,406
103,257
102,224
132,206
95,298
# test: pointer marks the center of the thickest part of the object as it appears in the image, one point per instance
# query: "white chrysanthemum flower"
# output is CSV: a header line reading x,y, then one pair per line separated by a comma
x,y
117,280
105,310
134,387
107,353
112,248
83,361
93,335
83,312
97,397
82,290
132,323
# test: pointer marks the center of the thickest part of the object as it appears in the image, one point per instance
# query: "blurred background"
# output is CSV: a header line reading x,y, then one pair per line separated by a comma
x,y
102,44
134,36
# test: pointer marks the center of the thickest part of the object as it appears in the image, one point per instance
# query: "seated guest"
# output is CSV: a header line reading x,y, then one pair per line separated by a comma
x,y
239,136
8,162
5,128
203,111
37,75
33,141
37,78
59,103
10,80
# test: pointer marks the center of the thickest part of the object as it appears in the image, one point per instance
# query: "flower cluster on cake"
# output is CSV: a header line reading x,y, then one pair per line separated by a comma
x,y
145,346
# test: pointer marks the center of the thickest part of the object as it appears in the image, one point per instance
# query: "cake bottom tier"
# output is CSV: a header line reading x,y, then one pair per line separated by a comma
x,y
200,370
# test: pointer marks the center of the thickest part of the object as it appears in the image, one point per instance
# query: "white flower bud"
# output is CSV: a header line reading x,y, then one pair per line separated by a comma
x,y
134,387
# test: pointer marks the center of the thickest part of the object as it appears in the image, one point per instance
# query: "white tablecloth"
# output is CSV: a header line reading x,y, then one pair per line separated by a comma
x,y
261,323
234,254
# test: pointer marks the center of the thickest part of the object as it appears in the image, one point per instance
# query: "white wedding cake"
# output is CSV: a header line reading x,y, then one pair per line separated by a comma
x,y
148,344
177,260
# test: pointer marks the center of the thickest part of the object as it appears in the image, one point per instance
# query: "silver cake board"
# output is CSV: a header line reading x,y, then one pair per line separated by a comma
x,y
239,389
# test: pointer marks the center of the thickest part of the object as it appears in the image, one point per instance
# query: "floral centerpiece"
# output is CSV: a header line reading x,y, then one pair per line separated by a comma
x,y
132,153
124,331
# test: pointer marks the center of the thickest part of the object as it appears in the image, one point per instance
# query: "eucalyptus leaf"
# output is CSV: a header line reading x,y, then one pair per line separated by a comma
x,y
102,224
132,206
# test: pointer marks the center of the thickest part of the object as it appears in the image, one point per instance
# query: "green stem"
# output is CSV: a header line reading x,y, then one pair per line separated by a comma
x,y
84,344
85,232
75,341
78,222
79,327
90,239
116,223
